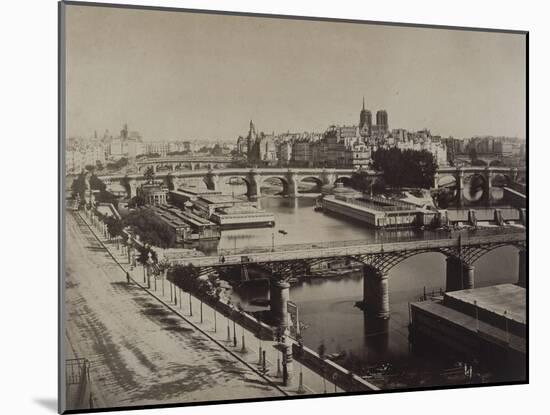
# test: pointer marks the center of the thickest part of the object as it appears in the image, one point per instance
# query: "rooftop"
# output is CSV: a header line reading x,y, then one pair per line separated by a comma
x,y
195,191
219,198
497,299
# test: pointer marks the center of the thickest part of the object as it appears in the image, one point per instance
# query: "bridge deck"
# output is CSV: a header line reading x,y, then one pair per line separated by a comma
x,y
346,248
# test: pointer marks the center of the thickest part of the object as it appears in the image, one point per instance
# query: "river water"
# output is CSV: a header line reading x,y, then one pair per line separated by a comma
x,y
327,307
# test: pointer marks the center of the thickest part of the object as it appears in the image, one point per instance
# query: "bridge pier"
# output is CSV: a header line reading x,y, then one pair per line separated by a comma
x,y
460,188
522,268
487,196
279,294
460,275
212,181
376,297
292,187
253,189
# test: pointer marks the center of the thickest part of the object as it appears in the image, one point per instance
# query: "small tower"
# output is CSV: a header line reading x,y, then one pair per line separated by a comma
x,y
124,132
251,140
365,120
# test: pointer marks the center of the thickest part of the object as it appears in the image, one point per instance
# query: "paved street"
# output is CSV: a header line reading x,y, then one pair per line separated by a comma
x,y
140,352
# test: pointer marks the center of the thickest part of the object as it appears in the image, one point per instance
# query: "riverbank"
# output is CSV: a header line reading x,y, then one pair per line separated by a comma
x,y
238,340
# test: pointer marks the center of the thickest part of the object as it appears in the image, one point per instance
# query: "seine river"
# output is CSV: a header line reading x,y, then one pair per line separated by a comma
x,y
327,306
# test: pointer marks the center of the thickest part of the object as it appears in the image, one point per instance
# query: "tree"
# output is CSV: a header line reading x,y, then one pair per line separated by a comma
x,y
217,150
170,181
136,201
184,276
408,168
151,231
143,256
473,153
361,181
149,174
114,226
78,187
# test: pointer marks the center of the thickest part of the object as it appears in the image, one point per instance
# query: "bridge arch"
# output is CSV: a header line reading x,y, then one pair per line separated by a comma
x,y
446,181
472,254
309,179
475,188
345,179
271,178
497,182
230,181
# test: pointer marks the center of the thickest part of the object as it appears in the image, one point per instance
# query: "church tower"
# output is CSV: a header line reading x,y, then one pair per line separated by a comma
x,y
251,140
365,120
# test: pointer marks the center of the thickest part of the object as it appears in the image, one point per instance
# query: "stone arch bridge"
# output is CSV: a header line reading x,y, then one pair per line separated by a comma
x,y
184,163
457,179
253,178
487,178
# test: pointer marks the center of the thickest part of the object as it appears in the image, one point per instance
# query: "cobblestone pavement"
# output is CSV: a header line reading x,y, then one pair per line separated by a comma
x,y
140,352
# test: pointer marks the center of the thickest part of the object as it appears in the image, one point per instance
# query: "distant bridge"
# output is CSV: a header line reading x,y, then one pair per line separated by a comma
x,y
253,178
458,179
488,178
184,163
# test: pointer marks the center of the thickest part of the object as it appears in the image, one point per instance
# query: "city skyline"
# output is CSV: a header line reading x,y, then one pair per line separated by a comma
x,y
456,89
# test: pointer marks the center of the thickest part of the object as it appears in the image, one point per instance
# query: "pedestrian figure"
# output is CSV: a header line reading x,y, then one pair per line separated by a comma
x,y
223,259
128,277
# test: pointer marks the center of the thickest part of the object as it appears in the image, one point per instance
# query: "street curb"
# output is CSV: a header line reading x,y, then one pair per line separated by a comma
x,y
271,383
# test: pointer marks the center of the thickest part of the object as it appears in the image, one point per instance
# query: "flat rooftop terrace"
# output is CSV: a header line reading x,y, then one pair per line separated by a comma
x,y
195,191
496,299
482,329
220,198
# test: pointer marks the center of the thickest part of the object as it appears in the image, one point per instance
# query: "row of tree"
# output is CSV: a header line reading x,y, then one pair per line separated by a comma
x,y
401,168
406,168
79,187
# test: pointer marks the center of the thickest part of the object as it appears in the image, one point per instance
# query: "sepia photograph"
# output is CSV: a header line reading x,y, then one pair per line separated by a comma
x,y
265,207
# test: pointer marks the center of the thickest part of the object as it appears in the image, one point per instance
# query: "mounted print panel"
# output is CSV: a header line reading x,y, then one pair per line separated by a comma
x,y
262,207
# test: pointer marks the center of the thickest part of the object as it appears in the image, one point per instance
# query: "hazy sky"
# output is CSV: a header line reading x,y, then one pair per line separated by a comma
x,y
173,75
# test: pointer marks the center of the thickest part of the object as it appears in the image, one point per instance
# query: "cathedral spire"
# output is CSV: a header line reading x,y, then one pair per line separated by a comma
x,y
363,103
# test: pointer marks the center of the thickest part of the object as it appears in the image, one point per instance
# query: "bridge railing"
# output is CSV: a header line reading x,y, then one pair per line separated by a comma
x,y
301,252
472,236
